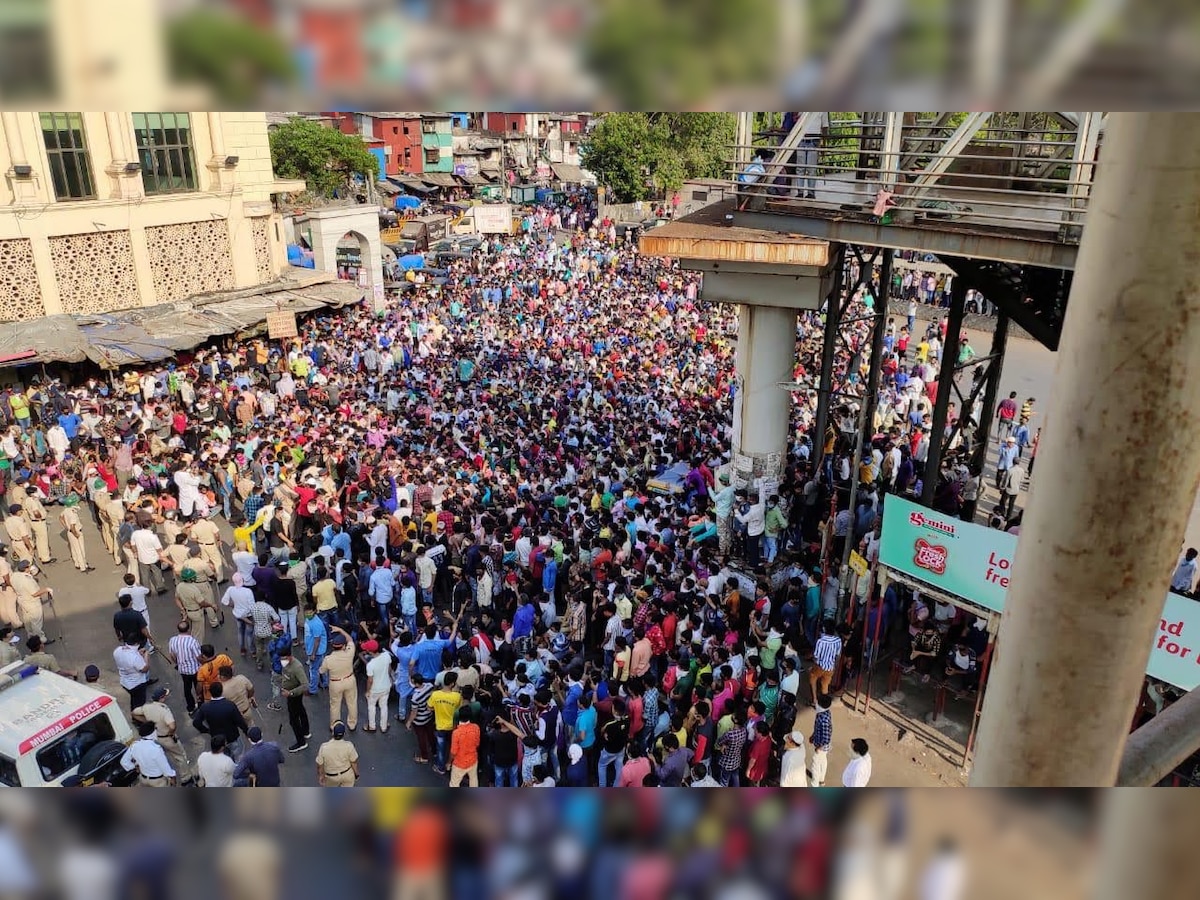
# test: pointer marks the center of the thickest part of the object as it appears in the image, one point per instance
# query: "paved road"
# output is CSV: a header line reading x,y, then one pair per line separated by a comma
x,y
85,604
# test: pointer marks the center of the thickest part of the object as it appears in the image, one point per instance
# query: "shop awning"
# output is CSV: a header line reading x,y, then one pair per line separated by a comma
x,y
411,184
386,187
154,333
567,173
439,179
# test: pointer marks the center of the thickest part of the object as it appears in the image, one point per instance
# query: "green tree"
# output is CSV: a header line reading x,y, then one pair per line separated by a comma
x,y
233,58
324,157
640,155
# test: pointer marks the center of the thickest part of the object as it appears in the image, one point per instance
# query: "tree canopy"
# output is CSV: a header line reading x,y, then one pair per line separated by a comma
x,y
640,155
324,157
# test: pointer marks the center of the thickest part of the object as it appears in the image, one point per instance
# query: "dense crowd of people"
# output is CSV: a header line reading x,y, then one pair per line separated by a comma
x,y
442,512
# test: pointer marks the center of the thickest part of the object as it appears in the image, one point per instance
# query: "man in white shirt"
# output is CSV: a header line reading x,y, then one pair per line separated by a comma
x,y
241,599
149,552
858,771
137,594
133,664
147,757
794,763
215,766
379,684
1185,573
701,777
243,563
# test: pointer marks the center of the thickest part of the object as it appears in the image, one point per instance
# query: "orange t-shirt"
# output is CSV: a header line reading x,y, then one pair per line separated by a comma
x,y
421,841
464,745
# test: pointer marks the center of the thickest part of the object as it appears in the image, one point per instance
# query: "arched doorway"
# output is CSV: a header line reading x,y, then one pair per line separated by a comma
x,y
351,253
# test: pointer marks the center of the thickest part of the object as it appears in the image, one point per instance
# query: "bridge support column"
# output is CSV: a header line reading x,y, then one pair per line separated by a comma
x,y
766,357
1101,532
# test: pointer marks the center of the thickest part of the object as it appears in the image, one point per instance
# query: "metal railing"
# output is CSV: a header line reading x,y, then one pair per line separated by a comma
x,y
993,170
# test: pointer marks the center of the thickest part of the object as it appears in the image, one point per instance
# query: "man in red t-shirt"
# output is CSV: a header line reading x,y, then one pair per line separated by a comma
x,y
1006,412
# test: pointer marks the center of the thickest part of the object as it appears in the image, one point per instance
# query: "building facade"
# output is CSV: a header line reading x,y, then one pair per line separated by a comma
x,y
110,211
437,142
398,134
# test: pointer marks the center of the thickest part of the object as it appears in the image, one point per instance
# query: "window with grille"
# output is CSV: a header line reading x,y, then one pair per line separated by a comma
x,y
164,143
432,157
66,149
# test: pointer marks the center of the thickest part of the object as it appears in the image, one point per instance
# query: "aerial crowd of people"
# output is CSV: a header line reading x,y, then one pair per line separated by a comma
x,y
441,512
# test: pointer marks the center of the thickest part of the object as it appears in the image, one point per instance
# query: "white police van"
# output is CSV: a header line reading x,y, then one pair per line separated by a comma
x,y
49,725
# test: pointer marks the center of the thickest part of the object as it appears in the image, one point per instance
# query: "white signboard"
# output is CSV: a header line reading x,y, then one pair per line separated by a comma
x,y
493,218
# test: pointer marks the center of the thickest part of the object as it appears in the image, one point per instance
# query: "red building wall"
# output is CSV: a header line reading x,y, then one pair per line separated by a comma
x,y
335,39
391,132
506,122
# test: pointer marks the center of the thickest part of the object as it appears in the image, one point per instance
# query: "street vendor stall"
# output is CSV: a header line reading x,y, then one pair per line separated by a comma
x,y
970,567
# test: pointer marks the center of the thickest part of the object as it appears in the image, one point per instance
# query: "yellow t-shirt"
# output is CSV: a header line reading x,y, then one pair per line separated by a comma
x,y
325,594
444,704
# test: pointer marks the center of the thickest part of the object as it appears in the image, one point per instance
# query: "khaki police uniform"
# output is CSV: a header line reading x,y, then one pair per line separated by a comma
x,y
36,513
8,596
190,596
336,758
339,666
29,606
20,537
163,720
178,554
206,577
103,502
205,533
73,526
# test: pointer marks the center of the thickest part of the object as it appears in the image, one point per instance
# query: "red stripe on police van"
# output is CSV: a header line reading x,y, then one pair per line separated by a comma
x,y
50,732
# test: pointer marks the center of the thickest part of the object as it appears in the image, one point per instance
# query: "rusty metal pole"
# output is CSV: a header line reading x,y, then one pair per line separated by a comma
x,y
1148,845
1089,578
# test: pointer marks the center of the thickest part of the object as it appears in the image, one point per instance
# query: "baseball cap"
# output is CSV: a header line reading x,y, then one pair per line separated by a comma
x,y
339,640
159,693
90,673
255,734
370,646
339,729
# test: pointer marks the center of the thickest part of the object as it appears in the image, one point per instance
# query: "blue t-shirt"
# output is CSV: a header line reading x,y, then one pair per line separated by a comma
x,y
428,654
585,724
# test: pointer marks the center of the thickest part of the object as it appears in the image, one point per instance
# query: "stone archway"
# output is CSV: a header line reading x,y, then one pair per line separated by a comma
x,y
353,254
345,234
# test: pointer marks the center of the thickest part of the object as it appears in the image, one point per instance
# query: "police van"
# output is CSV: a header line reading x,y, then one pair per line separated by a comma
x,y
53,728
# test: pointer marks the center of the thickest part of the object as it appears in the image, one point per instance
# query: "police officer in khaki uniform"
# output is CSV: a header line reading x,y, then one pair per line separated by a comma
x,y
192,600
206,534
37,516
178,554
8,595
337,760
73,528
102,500
19,533
160,716
206,578
339,666
29,599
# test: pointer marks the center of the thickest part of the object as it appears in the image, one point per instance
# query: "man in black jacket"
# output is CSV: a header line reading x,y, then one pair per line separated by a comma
x,y
221,716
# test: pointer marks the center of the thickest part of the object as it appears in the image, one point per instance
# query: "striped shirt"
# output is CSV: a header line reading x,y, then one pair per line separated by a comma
x,y
186,650
825,654
421,713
